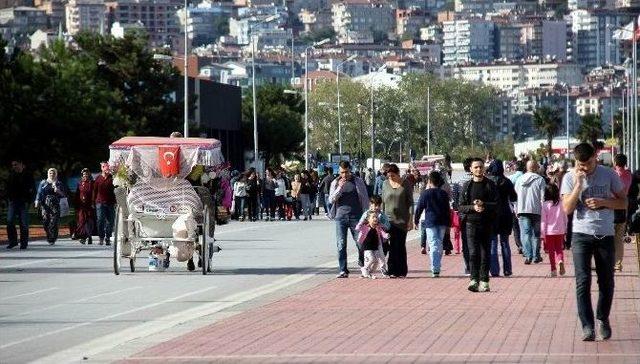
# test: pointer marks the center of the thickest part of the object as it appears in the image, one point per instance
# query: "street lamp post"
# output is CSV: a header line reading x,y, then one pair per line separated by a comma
x,y
338,89
306,100
186,74
253,87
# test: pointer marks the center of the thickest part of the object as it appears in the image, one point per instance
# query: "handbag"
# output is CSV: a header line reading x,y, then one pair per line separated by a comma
x,y
64,207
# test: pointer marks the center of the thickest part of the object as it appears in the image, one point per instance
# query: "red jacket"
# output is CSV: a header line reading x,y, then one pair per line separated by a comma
x,y
103,190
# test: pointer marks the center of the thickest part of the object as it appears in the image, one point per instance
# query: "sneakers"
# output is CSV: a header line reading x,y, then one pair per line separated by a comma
x,y
12,245
537,260
588,334
617,267
107,242
527,261
423,251
190,265
435,274
473,286
484,287
552,274
605,329
561,269
343,275
101,241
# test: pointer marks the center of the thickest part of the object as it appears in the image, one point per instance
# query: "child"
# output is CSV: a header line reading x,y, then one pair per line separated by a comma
x,y
375,204
370,240
553,228
457,233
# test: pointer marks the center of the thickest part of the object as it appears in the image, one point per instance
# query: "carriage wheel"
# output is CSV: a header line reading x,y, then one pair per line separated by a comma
x,y
117,243
204,247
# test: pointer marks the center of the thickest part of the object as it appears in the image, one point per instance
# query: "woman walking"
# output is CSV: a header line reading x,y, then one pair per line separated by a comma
x,y
305,195
397,202
85,210
50,191
503,224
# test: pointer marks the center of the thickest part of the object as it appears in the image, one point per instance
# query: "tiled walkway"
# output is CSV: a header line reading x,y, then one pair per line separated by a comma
x,y
526,318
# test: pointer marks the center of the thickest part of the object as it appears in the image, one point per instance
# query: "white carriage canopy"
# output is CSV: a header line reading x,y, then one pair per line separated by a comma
x,y
158,157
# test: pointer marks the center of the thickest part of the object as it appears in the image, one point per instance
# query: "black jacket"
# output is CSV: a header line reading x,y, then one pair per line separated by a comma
x,y
466,207
20,187
506,194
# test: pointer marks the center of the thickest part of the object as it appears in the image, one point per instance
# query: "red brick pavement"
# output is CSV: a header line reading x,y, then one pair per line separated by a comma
x,y
525,318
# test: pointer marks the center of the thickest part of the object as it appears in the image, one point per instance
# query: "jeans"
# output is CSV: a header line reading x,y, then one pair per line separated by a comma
x,y
327,204
342,225
105,215
505,249
239,205
585,247
479,243
516,231
530,235
269,203
306,205
465,246
252,204
435,235
21,211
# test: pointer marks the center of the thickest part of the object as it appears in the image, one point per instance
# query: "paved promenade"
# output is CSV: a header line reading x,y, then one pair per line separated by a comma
x,y
526,318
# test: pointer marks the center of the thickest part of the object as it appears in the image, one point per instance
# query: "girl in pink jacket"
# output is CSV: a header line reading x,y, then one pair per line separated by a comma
x,y
370,238
554,227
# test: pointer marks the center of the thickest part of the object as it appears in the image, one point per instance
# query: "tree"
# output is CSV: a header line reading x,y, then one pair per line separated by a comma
x,y
547,121
590,129
63,106
280,130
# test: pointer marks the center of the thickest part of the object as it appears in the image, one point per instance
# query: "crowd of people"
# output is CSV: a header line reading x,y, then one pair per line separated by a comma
x,y
589,208
547,208
94,202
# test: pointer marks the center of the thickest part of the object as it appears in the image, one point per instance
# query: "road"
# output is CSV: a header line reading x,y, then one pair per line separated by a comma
x,y
63,303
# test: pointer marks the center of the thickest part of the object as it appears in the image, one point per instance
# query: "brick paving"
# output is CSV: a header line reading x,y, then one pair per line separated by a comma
x,y
36,232
526,318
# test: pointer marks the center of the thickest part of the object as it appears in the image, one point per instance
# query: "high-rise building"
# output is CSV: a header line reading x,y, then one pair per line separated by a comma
x,y
21,21
592,31
85,15
375,16
468,41
157,16
55,10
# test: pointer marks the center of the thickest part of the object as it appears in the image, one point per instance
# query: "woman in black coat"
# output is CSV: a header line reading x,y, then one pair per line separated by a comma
x,y
503,222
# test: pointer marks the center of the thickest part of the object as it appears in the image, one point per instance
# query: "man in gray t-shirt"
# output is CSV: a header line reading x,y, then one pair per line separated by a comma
x,y
591,192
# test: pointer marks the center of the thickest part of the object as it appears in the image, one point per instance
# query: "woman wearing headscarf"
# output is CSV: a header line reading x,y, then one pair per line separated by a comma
x,y
85,210
50,191
503,223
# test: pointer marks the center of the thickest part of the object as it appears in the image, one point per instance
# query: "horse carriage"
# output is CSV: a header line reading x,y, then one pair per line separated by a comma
x,y
160,205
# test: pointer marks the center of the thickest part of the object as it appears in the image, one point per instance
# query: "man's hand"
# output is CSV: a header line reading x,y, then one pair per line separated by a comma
x,y
595,203
578,179
410,226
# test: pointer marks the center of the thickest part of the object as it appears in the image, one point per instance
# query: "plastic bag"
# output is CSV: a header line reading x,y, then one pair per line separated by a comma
x,y
64,207
184,227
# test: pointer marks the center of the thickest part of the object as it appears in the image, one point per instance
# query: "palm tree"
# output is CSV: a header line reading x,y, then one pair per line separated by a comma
x,y
547,120
590,129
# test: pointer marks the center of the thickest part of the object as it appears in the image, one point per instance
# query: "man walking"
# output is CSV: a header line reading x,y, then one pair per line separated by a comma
x,y
105,201
348,195
19,189
592,192
620,215
530,189
325,184
456,189
478,202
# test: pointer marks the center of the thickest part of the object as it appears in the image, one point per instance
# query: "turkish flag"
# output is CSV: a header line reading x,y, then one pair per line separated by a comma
x,y
169,160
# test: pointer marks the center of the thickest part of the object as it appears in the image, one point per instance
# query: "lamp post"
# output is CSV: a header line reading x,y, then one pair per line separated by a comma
x,y
253,87
186,74
632,103
351,58
306,100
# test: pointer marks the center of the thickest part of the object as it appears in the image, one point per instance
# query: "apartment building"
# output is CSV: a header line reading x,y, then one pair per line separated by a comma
x,y
157,16
21,21
468,41
85,15
509,77
375,16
